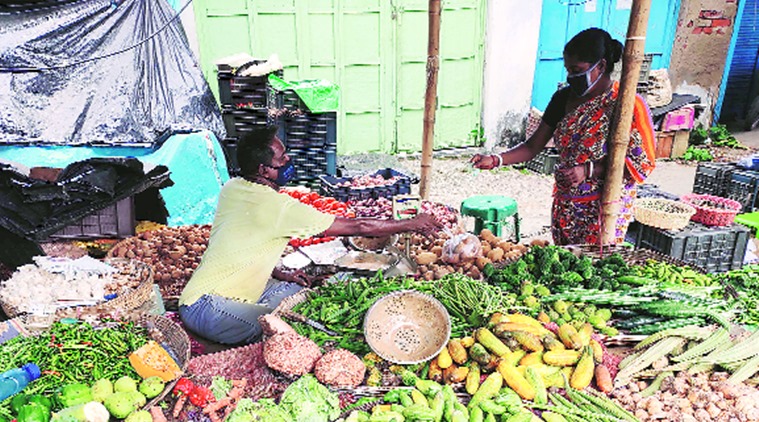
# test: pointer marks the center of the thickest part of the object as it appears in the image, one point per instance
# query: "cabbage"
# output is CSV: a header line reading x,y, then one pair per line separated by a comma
x,y
309,401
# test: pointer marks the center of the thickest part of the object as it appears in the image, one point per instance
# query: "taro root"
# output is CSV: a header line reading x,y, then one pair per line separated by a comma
x,y
291,353
340,368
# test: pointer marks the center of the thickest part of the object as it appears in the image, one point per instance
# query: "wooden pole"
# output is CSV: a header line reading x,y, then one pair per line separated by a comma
x,y
623,116
430,99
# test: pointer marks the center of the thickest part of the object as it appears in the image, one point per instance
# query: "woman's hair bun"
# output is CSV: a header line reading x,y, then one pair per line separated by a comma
x,y
615,50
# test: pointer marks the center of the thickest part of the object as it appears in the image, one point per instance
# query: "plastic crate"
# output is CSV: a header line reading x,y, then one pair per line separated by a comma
x,y
545,162
115,221
713,178
239,121
289,100
743,188
312,163
253,90
309,130
653,191
229,145
329,187
717,249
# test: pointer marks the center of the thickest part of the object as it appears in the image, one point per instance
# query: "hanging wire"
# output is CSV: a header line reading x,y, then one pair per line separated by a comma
x,y
92,59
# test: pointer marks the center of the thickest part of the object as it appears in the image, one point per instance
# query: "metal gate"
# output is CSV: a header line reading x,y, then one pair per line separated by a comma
x,y
375,50
563,19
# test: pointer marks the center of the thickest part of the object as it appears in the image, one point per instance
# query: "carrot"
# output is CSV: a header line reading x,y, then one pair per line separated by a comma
x,y
217,405
178,407
157,414
603,379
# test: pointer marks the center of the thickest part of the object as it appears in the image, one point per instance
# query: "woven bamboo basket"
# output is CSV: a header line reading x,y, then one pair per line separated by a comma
x,y
662,213
170,335
290,302
134,299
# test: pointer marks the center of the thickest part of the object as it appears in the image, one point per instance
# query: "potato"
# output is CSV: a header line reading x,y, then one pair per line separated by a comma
x,y
487,235
481,262
505,245
437,250
496,255
486,247
474,272
426,258
429,276
537,242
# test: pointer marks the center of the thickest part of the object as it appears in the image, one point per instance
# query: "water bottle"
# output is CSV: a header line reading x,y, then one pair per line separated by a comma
x,y
13,381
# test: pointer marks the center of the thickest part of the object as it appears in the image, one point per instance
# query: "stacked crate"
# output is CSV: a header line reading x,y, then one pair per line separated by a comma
x,y
251,102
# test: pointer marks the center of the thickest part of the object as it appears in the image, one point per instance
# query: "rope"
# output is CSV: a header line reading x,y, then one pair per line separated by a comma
x,y
92,59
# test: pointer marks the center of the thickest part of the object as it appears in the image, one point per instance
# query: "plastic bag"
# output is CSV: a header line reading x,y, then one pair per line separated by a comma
x,y
319,95
461,248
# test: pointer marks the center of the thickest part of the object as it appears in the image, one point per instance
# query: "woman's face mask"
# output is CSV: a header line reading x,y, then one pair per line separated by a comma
x,y
580,83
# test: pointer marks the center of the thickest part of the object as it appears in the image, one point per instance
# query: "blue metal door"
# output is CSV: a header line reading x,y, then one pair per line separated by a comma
x,y
563,19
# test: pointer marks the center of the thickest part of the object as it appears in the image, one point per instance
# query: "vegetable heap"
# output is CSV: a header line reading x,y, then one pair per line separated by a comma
x,y
74,352
341,306
324,204
495,400
529,356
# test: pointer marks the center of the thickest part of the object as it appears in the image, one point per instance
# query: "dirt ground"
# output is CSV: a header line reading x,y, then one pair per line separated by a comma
x,y
453,180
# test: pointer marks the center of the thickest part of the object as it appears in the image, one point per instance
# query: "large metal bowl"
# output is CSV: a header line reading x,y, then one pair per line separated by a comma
x,y
407,327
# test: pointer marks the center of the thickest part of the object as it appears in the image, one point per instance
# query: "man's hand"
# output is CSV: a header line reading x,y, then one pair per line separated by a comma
x,y
426,224
297,276
484,162
572,176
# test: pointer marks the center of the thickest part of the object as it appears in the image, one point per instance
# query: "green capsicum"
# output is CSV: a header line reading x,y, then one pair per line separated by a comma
x,y
18,401
33,412
41,400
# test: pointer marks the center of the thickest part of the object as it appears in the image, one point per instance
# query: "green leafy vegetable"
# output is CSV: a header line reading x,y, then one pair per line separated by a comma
x,y
220,387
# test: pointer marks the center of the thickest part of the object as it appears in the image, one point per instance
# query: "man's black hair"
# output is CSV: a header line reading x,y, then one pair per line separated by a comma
x,y
254,149
594,44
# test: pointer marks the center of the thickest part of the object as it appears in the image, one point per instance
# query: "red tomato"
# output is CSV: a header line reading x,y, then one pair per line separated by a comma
x,y
295,243
350,214
307,242
318,203
295,194
313,196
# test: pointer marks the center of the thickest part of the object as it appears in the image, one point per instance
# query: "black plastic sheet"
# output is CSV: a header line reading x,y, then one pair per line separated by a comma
x,y
35,209
60,81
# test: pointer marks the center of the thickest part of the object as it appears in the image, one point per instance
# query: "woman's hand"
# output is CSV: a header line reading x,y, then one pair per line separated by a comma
x,y
572,176
484,162
298,277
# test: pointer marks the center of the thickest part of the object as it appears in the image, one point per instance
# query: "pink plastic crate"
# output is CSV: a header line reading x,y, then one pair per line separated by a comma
x,y
680,119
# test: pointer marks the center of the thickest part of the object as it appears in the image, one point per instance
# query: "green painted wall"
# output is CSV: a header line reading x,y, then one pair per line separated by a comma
x,y
374,49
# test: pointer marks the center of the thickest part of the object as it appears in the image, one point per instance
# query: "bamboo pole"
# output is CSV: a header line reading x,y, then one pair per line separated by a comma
x,y
430,99
623,116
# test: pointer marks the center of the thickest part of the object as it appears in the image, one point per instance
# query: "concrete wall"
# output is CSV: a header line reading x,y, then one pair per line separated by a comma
x,y
511,48
704,29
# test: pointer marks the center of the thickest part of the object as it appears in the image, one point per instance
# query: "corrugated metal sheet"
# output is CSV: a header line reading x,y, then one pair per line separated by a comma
x,y
741,82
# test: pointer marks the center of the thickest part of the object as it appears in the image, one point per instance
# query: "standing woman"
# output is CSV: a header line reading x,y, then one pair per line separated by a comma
x,y
579,118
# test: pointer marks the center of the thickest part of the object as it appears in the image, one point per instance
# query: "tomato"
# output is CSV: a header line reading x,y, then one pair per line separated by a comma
x,y
305,199
307,242
350,214
295,243
318,203
295,194
313,196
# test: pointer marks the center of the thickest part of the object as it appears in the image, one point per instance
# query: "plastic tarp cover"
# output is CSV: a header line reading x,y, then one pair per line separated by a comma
x,y
319,95
198,169
123,98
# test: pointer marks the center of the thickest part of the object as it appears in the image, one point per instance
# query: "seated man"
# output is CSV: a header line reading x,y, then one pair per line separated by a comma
x,y
253,224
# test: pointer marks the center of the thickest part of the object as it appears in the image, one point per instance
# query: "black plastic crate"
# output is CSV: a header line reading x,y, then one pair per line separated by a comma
x,y
290,100
743,188
310,164
329,185
248,91
717,249
653,191
544,162
114,221
713,178
308,130
238,121
229,145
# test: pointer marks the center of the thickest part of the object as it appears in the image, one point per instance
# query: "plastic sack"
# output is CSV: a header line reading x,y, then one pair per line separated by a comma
x,y
461,248
319,95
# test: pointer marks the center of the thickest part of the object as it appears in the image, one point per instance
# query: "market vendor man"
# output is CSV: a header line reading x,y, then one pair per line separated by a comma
x,y
231,287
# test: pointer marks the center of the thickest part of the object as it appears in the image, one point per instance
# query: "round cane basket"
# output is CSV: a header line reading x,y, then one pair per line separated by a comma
x,y
169,335
663,213
131,300
713,210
